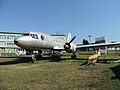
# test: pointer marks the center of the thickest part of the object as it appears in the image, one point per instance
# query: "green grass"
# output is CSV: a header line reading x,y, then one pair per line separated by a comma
x,y
17,74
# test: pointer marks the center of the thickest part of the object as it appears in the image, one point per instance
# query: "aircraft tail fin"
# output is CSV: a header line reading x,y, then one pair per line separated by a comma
x,y
69,37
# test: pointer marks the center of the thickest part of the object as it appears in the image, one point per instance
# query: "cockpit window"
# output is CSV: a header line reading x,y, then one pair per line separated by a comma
x,y
25,34
34,36
42,37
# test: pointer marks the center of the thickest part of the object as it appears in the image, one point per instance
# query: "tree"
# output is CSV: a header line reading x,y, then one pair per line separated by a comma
x,y
85,42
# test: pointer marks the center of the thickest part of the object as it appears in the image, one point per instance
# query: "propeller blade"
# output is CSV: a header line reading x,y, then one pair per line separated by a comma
x,y
72,39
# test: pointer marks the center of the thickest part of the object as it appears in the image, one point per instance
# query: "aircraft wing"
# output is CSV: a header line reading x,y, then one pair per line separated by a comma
x,y
98,45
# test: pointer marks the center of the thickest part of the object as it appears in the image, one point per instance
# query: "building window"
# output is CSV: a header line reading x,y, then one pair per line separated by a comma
x,y
10,37
10,43
2,43
2,36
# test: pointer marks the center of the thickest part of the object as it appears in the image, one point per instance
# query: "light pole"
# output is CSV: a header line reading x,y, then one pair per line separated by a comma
x,y
90,38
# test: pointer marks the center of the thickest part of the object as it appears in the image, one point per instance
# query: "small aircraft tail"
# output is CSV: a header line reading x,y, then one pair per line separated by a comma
x,y
69,37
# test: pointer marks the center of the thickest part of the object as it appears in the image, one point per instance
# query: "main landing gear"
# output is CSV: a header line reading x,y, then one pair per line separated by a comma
x,y
35,57
73,56
53,56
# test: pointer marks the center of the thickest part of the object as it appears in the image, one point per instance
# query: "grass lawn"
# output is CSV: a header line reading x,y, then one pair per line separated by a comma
x,y
19,74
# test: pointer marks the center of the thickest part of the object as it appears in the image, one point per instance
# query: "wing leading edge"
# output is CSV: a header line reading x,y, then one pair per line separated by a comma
x,y
97,45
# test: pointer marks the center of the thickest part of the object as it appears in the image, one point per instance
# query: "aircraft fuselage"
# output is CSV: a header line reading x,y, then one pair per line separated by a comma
x,y
38,41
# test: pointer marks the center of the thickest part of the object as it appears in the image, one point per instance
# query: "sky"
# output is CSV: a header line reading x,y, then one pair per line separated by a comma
x,y
80,17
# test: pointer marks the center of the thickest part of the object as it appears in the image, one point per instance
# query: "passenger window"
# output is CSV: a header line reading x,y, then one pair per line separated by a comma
x,y
42,37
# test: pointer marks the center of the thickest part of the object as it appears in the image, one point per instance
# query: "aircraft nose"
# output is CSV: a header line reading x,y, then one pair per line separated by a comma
x,y
16,40
23,41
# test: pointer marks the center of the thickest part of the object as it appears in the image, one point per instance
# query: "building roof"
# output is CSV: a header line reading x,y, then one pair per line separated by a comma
x,y
22,33
56,35
10,33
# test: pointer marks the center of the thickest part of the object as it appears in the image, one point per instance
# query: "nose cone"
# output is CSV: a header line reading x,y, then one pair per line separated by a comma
x,y
19,41
16,41
23,41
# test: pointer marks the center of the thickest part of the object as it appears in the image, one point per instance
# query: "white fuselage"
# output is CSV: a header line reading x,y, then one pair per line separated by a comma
x,y
38,41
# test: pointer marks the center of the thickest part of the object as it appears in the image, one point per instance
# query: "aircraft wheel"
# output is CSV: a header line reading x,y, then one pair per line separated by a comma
x,y
33,58
38,56
73,57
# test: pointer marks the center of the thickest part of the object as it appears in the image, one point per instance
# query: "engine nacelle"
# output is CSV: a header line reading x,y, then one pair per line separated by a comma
x,y
73,47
